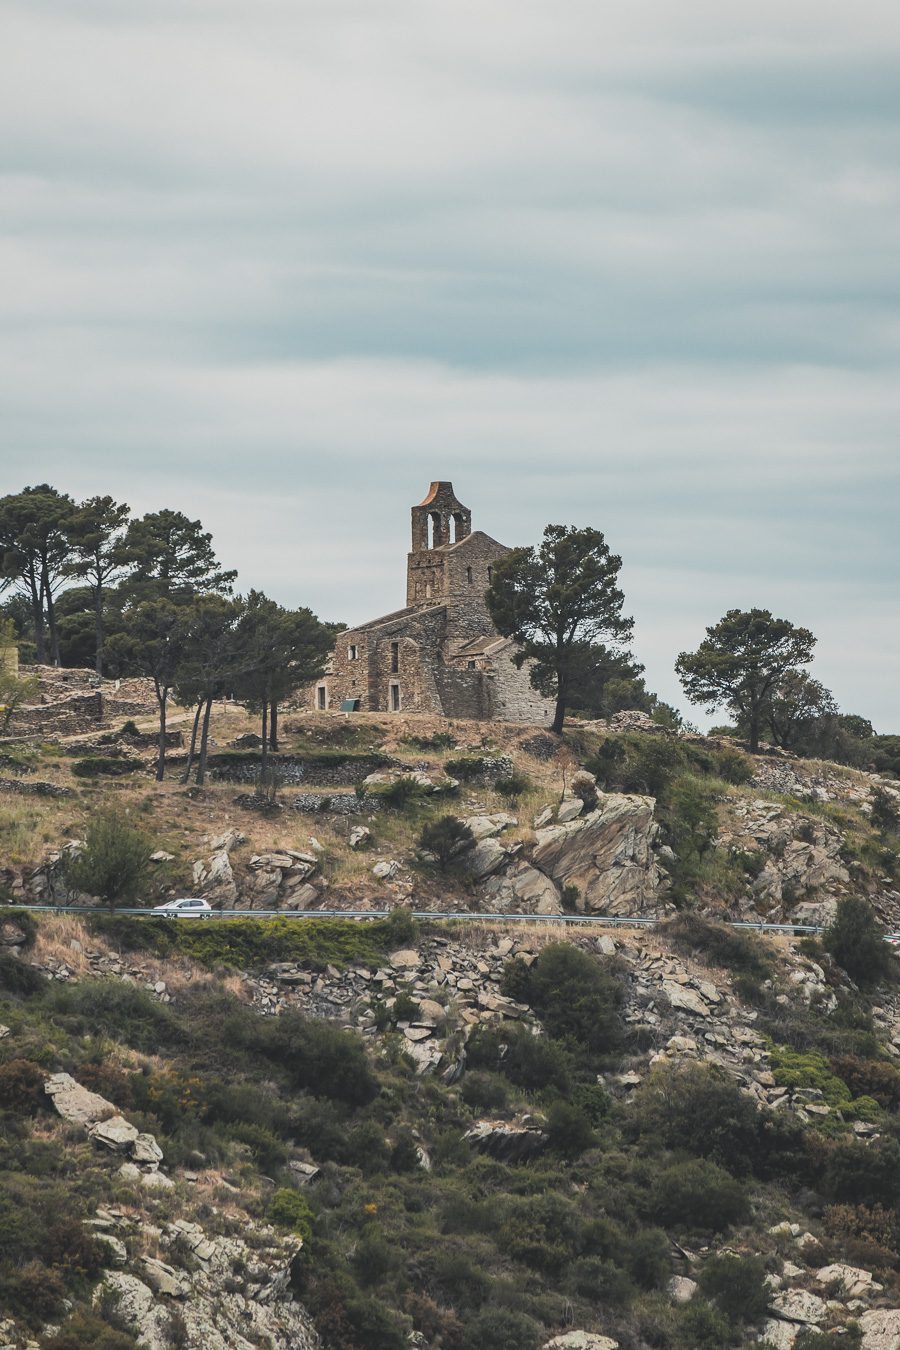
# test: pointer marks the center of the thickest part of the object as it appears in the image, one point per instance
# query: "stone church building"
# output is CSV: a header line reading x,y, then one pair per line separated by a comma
x,y
441,654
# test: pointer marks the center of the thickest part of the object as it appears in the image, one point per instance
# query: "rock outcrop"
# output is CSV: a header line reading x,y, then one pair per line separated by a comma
x,y
607,854
102,1121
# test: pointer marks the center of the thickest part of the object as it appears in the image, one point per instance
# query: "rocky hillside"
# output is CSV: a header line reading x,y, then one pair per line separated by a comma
x,y
616,819
376,1135
358,1135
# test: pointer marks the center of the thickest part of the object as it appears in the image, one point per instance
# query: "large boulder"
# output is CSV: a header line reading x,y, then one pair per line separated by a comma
x,y
880,1329
214,880
521,889
101,1120
607,855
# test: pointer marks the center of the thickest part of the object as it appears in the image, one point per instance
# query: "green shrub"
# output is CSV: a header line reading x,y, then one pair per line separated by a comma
x,y
861,1174
700,1327
718,944
593,1100
98,766
484,1091
869,1078
289,1209
374,1257
22,1087
649,1259
569,1129
513,784
18,978
501,1329
445,838
576,999
698,1197
114,862
324,1059
849,1338
856,941
400,794
531,1062
698,1109
885,813
737,1286
375,1326
85,1328
123,1011
254,943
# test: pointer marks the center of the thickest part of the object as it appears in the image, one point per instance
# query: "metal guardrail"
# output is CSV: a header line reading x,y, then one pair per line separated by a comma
x,y
454,916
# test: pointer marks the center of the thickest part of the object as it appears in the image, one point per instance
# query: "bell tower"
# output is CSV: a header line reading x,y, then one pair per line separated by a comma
x,y
438,521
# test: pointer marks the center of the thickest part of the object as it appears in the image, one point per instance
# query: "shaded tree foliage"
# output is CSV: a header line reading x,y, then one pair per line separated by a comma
x,y
557,600
741,662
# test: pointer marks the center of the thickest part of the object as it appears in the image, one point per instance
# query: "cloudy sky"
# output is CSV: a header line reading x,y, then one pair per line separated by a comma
x,y
280,263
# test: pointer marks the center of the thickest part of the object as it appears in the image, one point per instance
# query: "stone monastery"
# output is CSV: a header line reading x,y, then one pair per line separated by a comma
x,y
441,654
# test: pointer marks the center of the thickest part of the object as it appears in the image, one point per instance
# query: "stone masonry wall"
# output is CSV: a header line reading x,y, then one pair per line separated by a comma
x,y
513,697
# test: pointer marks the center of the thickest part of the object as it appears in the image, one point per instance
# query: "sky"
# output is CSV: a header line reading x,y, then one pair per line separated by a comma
x,y
280,263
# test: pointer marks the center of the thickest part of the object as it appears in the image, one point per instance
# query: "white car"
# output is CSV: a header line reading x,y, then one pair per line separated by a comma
x,y
185,909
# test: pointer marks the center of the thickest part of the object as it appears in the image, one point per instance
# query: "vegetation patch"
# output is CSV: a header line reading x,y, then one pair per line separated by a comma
x,y
254,943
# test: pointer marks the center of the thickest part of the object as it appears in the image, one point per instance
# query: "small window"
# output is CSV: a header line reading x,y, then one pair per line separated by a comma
x,y
395,698
470,665
395,657
490,575
321,698
353,652
469,575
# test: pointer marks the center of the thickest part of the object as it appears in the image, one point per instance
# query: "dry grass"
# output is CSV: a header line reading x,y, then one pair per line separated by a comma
x,y
63,938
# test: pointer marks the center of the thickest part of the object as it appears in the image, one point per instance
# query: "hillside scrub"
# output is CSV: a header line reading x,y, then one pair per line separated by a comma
x,y
472,1247
254,943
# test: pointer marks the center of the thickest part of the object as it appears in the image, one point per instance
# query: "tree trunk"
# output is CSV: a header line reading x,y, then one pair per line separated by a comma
x,y
190,759
264,762
204,738
162,694
753,731
37,619
273,727
98,629
51,617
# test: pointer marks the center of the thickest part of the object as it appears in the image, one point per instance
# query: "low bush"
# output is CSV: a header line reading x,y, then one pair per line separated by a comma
x,y
289,1209
575,997
697,1197
501,1329
254,943
22,1087
718,944
323,1058
737,1286
513,784
97,766
531,1062
700,1110
569,1129
701,1327
446,837
856,941
18,978
873,1078
114,862
86,1328
860,1174
484,1091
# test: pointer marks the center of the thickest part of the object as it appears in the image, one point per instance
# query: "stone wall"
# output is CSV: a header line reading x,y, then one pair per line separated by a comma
x,y
513,698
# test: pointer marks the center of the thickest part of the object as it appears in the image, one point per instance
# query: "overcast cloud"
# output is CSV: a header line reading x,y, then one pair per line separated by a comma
x,y
280,263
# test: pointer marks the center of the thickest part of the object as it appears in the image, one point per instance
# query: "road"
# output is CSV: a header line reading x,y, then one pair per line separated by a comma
x,y
455,916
